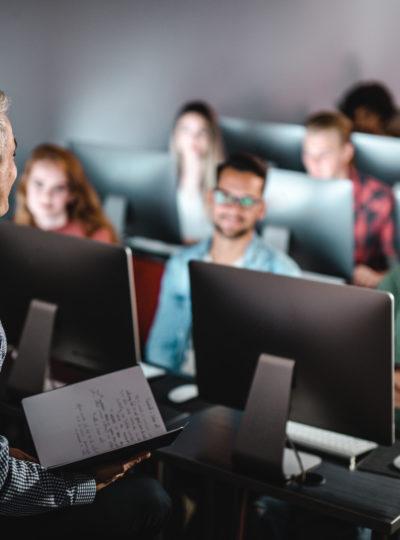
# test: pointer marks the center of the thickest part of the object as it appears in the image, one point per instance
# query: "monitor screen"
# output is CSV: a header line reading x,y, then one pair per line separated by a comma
x,y
378,156
90,282
320,219
280,144
146,180
340,336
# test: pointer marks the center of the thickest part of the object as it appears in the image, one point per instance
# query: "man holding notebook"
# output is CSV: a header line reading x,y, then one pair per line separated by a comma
x,y
132,506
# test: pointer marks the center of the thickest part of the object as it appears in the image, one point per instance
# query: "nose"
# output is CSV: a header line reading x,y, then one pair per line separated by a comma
x,y
46,195
233,207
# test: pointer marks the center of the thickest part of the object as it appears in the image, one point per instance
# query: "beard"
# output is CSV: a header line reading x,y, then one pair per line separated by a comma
x,y
232,235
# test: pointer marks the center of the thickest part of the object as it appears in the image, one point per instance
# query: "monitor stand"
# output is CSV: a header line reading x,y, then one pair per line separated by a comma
x,y
261,439
32,362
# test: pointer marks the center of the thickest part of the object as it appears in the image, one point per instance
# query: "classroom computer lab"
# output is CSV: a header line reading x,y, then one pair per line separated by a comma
x,y
200,270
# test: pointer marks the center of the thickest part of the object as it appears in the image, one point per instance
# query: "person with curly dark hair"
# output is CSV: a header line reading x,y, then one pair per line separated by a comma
x,y
371,108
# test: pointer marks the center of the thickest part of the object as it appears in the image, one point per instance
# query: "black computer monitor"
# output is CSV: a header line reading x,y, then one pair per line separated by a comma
x,y
280,144
378,156
89,282
340,336
319,216
146,181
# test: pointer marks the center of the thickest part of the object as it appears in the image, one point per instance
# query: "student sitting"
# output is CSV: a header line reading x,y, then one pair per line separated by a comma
x,y
327,154
197,144
55,195
236,204
371,108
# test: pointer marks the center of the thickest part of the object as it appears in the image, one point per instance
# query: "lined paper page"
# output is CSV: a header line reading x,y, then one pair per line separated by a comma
x,y
92,417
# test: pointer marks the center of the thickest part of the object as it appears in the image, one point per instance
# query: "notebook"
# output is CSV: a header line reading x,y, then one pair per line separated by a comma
x,y
108,418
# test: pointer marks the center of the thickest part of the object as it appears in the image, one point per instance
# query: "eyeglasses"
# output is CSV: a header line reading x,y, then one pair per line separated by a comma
x,y
223,197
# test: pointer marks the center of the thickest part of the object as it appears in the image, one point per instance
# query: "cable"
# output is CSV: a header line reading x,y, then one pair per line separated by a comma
x,y
299,461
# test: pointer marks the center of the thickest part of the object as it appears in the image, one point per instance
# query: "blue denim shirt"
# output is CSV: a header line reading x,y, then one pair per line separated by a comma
x,y
171,330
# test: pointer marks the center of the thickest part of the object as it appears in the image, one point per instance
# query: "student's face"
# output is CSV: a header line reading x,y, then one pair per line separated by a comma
x,y
367,121
325,155
8,169
232,220
47,191
192,135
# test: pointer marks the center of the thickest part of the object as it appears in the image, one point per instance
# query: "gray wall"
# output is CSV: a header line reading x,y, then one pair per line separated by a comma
x,y
116,71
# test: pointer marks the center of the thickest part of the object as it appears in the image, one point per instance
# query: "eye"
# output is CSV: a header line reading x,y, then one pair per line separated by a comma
x,y
220,197
60,189
247,202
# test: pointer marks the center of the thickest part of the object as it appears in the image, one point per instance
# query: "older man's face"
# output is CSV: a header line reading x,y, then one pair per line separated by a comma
x,y
8,169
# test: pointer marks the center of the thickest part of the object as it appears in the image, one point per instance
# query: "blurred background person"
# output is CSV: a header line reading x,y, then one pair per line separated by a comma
x,y
236,206
371,108
328,154
197,144
55,195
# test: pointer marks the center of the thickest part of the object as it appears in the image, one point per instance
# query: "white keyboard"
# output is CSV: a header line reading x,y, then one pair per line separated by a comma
x,y
329,442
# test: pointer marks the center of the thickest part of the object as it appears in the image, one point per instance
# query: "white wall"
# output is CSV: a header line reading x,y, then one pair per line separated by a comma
x,y
116,71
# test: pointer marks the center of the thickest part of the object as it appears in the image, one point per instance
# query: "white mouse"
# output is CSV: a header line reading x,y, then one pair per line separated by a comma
x,y
183,393
396,462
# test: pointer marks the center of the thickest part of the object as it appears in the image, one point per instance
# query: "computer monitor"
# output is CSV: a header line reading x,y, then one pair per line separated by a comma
x,y
280,144
146,181
340,336
319,216
90,283
378,156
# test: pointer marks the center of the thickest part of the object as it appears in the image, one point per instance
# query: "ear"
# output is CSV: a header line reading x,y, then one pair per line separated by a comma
x,y
348,152
209,199
262,210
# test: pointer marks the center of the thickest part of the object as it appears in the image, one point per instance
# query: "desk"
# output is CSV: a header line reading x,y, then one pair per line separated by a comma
x,y
205,448
361,498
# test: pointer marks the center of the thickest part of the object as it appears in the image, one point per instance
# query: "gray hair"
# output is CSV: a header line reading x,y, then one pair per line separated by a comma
x,y
4,104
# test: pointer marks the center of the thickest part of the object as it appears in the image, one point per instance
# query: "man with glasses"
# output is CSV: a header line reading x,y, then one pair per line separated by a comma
x,y
236,205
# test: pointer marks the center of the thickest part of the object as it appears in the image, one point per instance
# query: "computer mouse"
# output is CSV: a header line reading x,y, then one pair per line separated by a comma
x,y
183,393
396,462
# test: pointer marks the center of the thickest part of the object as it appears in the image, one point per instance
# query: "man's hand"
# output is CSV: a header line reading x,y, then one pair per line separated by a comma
x,y
364,276
108,474
23,456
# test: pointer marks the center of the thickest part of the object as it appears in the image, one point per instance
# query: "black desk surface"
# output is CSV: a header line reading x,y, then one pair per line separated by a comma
x,y
360,497
363,498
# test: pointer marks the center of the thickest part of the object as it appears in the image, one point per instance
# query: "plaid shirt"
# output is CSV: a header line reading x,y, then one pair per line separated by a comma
x,y
374,229
27,488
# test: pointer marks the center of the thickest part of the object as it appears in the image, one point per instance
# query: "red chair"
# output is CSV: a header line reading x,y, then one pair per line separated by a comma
x,y
148,272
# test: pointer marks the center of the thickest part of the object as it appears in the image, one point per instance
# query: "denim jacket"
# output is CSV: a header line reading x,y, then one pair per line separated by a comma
x,y
170,334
